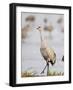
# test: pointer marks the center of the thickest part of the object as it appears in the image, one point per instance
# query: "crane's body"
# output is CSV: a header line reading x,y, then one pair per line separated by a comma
x,y
48,54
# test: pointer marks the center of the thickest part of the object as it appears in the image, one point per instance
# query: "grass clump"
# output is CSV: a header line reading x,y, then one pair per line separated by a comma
x,y
55,73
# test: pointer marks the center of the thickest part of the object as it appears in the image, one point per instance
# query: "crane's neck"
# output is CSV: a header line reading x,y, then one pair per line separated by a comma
x,y
43,40
41,36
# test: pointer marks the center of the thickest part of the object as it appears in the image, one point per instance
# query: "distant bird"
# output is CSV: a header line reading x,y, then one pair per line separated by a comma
x,y
48,53
61,22
50,27
24,31
45,21
30,18
63,58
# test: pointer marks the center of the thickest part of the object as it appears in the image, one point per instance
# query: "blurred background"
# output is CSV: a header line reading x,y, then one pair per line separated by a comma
x,y
32,60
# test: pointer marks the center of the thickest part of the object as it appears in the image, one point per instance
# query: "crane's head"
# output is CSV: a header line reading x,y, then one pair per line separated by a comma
x,y
40,28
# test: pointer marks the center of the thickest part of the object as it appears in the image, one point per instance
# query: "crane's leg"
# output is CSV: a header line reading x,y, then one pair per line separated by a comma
x,y
44,69
47,68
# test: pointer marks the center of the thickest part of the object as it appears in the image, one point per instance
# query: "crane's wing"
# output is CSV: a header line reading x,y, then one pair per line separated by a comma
x,y
51,53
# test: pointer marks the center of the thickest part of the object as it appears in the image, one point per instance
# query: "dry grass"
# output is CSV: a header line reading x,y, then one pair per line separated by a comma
x,y
55,73
51,73
27,74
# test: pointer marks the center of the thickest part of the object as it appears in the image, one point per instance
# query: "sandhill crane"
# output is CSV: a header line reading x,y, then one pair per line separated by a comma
x,y
47,53
61,22
45,26
30,20
63,58
48,27
24,31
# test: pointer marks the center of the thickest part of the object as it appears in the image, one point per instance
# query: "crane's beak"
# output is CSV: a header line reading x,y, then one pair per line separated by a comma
x,y
38,28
